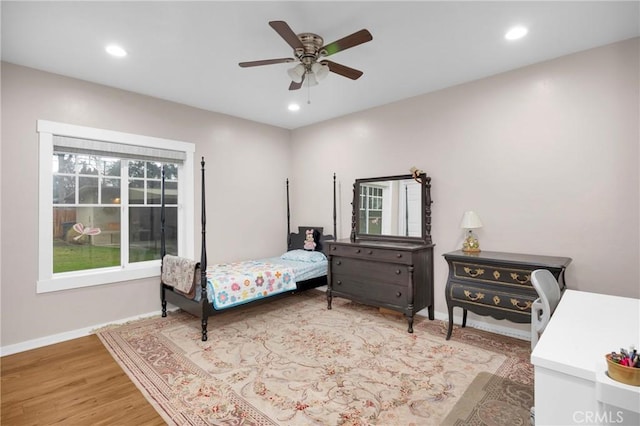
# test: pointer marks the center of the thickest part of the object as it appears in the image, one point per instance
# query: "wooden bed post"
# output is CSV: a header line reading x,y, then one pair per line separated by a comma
x,y
163,247
335,231
203,261
288,219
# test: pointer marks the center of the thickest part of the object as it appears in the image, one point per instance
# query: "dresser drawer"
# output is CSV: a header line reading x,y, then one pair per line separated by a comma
x,y
369,253
371,270
361,288
493,297
493,274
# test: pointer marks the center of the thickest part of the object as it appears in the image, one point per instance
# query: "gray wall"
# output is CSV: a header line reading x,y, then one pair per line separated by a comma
x,y
547,155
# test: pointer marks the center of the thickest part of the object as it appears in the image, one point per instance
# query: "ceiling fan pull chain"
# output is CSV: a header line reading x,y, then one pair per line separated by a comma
x,y
308,93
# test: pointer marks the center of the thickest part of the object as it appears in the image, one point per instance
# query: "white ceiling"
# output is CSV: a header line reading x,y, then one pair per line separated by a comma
x,y
188,52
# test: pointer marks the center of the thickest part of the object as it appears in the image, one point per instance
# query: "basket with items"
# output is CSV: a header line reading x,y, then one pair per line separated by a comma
x,y
624,367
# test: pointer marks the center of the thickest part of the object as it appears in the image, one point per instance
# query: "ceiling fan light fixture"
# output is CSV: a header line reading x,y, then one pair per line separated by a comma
x,y
296,73
311,79
320,70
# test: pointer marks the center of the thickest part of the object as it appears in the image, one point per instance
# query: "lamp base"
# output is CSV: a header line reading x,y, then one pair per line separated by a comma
x,y
471,250
470,243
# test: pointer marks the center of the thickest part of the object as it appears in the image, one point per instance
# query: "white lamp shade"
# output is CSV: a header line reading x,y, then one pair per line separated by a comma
x,y
296,73
470,220
311,79
321,71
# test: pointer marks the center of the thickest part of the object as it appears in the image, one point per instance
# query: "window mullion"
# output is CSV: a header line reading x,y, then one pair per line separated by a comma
x,y
124,213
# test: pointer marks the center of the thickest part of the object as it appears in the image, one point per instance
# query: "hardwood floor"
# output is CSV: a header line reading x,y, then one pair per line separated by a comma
x,y
72,383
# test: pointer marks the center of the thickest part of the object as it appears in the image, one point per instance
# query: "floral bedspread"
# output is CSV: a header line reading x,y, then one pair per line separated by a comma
x,y
236,283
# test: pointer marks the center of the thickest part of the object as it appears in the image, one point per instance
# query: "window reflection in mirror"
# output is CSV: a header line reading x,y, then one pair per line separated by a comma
x,y
390,207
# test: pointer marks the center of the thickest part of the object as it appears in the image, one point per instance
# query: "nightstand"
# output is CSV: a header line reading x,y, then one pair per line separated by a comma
x,y
496,284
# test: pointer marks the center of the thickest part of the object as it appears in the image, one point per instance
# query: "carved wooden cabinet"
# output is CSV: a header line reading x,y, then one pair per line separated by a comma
x,y
496,284
393,275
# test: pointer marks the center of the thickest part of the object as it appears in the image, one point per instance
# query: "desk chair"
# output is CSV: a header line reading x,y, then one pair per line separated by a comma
x,y
543,307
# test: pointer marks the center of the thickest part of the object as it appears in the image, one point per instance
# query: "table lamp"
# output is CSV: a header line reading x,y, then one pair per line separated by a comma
x,y
470,221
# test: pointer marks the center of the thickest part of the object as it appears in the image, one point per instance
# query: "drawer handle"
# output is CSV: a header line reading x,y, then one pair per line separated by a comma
x,y
338,262
399,255
398,294
370,252
496,300
478,296
520,280
496,275
517,304
358,251
339,282
473,272
333,248
398,271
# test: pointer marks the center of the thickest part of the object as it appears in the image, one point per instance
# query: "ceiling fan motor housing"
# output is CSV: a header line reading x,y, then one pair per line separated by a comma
x,y
312,44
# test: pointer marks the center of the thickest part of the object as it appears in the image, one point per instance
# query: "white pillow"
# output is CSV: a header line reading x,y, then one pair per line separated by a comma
x,y
304,256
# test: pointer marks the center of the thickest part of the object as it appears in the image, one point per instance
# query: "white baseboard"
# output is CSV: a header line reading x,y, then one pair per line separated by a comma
x,y
492,328
68,335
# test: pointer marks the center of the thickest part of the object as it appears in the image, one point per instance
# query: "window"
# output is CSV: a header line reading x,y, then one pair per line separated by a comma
x,y
100,199
371,209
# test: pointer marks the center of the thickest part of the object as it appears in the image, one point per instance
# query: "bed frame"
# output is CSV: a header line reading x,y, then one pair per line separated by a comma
x,y
203,309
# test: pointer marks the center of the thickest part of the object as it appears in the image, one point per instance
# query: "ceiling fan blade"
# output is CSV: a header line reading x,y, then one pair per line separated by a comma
x,y
265,62
352,40
343,70
287,34
296,86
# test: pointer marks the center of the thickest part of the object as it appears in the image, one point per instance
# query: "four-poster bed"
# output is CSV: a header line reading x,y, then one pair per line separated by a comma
x,y
204,290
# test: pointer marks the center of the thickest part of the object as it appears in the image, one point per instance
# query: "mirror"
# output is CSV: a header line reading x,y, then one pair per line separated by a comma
x,y
392,208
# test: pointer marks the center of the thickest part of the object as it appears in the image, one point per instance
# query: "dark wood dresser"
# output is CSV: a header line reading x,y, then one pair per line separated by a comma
x,y
496,284
393,275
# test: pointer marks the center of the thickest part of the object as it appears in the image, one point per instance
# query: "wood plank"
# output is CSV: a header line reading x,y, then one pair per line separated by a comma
x,y
75,382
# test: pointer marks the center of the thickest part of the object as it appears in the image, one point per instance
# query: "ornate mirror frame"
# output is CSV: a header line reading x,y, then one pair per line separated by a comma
x,y
425,210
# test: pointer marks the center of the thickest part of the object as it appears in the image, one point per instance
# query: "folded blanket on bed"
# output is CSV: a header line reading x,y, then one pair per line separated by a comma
x,y
180,273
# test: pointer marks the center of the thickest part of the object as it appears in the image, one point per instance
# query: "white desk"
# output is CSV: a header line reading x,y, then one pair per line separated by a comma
x,y
571,382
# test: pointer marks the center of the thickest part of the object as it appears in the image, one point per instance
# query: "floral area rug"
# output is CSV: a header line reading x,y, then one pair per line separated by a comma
x,y
293,362
492,400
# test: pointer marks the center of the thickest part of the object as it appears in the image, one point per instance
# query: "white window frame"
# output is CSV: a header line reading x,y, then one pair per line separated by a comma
x,y
47,280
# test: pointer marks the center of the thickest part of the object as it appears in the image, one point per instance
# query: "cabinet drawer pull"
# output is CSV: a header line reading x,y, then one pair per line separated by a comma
x,y
338,262
333,248
516,277
478,296
473,272
398,294
519,305
370,252
399,255
339,282
357,250
398,271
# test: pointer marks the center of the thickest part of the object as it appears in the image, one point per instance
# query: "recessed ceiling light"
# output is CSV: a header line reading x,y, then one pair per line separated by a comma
x,y
516,33
115,50
293,107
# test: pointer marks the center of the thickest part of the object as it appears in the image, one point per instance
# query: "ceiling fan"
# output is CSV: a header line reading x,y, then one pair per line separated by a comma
x,y
309,50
